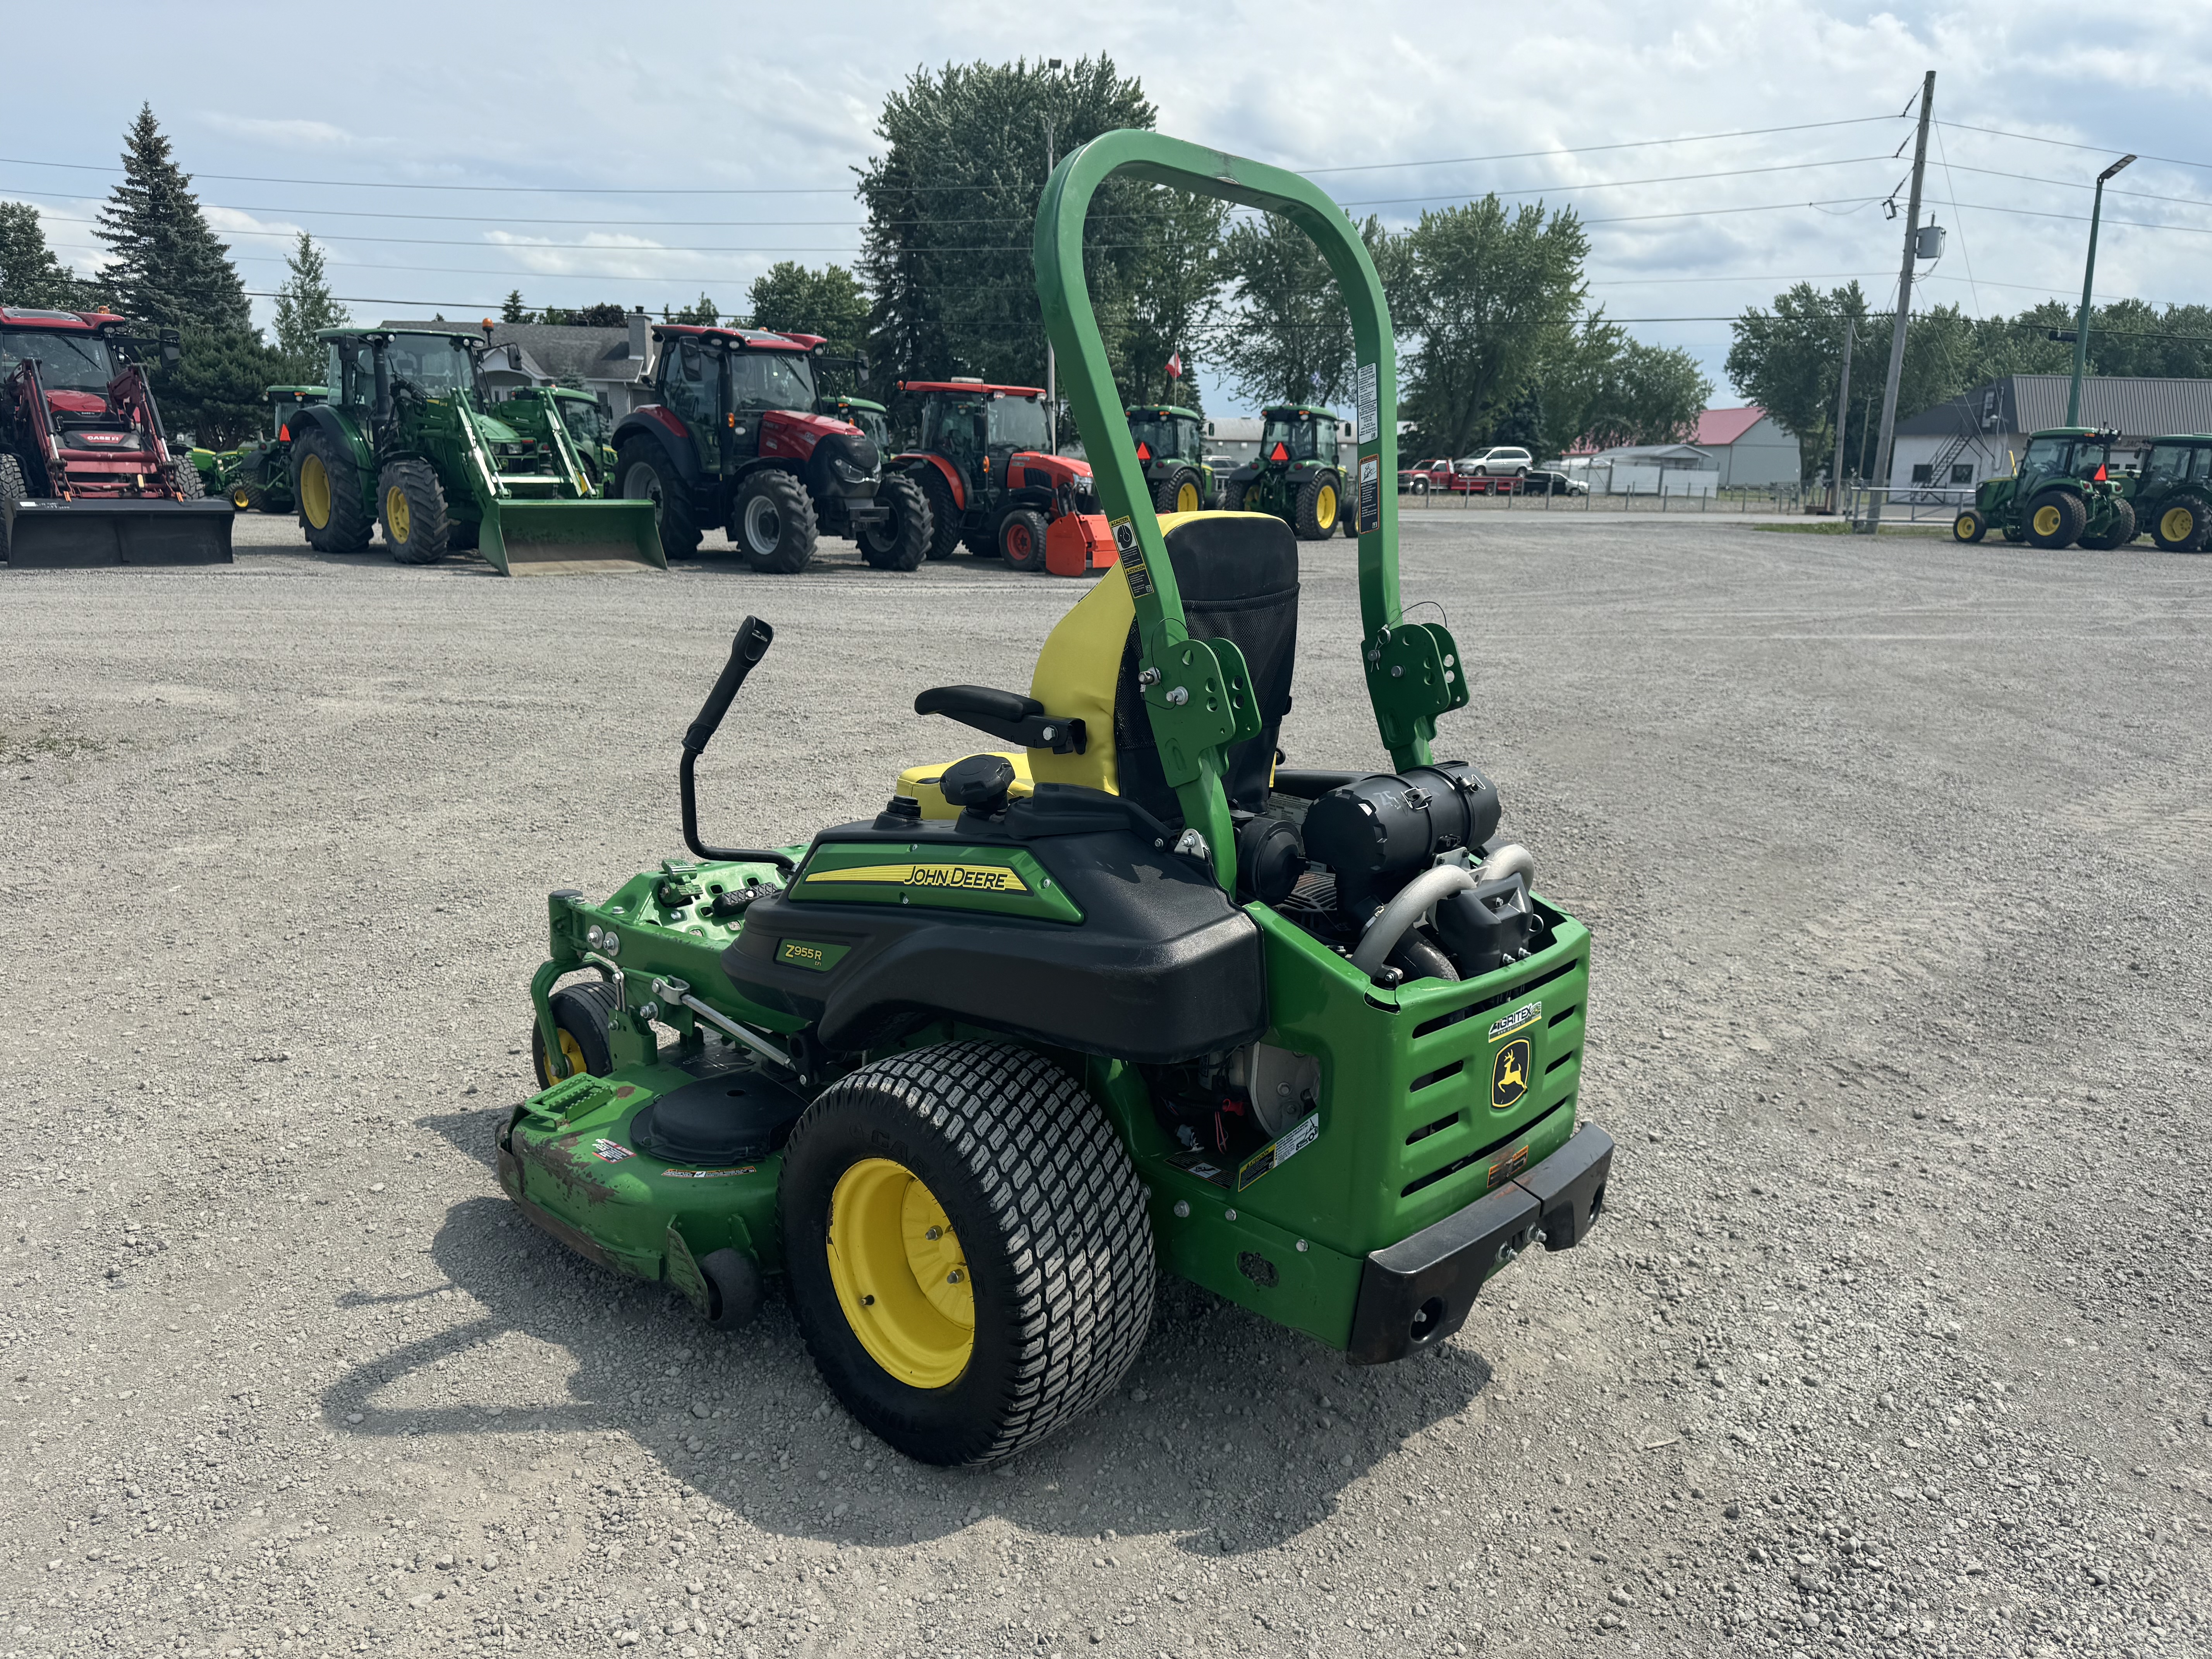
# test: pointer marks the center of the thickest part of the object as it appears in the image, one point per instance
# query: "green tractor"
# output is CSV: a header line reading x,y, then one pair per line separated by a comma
x,y
2173,497
871,417
1296,477
257,478
1113,995
2061,492
589,426
1171,448
408,442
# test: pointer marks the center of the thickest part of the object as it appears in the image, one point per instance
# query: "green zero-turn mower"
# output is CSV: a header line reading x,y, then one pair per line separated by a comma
x,y
2061,492
1296,476
1113,996
1170,446
408,443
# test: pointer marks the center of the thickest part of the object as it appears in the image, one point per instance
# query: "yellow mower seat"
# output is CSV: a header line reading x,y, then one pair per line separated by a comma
x,y
1235,570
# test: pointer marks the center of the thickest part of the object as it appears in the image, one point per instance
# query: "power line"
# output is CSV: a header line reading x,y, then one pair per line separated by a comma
x,y
1619,183
535,190
2064,144
1588,149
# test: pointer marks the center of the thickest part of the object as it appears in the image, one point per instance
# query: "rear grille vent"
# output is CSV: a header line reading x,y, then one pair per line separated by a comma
x,y
1428,1129
1484,1007
1429,1079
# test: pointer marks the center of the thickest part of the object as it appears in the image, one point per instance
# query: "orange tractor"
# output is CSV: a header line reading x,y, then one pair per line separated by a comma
x,y
987,470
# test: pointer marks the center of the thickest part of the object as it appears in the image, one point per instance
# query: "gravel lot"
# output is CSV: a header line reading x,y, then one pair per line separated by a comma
x,y
1893,1339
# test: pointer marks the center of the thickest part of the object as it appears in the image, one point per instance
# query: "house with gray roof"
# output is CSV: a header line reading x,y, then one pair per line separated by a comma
x,y
608,363
1942,453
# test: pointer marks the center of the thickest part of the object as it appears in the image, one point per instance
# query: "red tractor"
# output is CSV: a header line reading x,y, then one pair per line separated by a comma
x,y
992,484
730,440
86,474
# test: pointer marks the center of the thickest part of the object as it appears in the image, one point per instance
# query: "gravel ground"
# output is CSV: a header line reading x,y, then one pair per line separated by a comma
x,y
1893,1341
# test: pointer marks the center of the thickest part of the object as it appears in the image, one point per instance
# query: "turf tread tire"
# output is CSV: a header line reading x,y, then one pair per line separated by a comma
x,y
2073,517
351,522
2118,533
1970,526
584,1011
1064,1254
911,527
429,532
1165,492
1305,515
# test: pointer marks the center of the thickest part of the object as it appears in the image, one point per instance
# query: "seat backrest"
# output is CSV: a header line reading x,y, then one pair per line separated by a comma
x,y
1238,574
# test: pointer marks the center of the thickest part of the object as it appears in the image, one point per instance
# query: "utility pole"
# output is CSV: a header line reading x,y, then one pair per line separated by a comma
x,y
1051,364
1842,414
2088,280
1882,458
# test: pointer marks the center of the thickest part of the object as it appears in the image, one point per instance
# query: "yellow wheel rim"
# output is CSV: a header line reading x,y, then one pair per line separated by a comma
x,y
240,499
1187,497
1963,527
572,1052
315,492
2045,521
395,512
900,1275
1325,507
2177,524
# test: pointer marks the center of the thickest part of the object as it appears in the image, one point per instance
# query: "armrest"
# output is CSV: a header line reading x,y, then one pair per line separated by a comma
x,y
1003,716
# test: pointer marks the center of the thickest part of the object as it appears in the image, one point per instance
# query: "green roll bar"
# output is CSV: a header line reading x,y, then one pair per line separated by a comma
x,y
1198,692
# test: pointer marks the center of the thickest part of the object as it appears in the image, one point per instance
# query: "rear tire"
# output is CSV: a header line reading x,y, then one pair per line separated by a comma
x,y
1970,526
410,510
325,480
186,479
1232,497
772,522
943,515
904,543
1038,1212
2056,519
1319,501
647,475
580,1013
1179,492
1021,538
12,490
2180,526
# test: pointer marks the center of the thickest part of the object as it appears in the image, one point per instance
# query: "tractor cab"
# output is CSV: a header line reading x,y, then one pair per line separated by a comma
x,y
1171,448
2082,453
283,400
1296,476
986,466
870,416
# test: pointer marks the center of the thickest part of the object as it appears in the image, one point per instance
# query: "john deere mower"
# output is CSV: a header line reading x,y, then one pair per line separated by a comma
x,y
1113,995
2063,492
86,476
257,478
1296,477
2173,497
408,443
732,439
1171,448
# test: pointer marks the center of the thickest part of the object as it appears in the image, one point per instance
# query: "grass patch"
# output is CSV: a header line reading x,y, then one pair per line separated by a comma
x,y
1843,527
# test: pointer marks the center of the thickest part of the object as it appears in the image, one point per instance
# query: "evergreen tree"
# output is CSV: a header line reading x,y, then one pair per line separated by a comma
x,y
304,306
511,309
168,268
30,275
216,392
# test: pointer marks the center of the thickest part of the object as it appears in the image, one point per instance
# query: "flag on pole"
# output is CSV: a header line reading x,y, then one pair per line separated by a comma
x,y
1175,366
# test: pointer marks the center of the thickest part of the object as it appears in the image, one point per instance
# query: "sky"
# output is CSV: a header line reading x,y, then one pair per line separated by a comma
x,y
1718,153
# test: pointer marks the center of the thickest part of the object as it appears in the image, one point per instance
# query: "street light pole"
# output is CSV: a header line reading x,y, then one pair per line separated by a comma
x,y
1051,361
2088,279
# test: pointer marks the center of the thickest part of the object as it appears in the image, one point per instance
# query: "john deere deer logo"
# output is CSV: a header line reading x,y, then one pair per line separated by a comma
x,y
1508,1075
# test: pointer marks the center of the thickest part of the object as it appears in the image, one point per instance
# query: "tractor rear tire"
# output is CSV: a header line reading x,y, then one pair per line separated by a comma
x,y
410,510
325,480
647,475
12,490
903,543
1970,526
2118,533
580,1015
186,479
1179,492
772,522
1320,499
1021,538
969,1255
943,515
2056,519
247,496
2180,528
1232,497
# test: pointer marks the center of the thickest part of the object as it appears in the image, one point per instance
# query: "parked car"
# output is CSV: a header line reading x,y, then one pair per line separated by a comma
x,y
1545,481
1422,477
1501,461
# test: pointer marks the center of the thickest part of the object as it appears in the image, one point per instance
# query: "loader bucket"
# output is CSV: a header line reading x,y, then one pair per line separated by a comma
x,y
82,535
570,538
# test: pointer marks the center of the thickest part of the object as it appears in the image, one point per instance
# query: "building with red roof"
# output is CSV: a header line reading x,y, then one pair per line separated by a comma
x,y
1750,449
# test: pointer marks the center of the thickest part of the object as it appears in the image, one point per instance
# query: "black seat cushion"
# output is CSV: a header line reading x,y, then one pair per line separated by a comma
x,y
1239,574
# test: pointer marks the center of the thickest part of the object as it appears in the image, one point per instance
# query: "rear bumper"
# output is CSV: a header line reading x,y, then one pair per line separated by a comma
x,y
1415,1293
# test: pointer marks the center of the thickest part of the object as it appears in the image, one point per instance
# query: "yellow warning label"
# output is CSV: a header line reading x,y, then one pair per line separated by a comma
x,y
971,877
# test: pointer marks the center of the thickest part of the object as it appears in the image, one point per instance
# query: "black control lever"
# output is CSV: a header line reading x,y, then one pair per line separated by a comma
x,y
751,644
